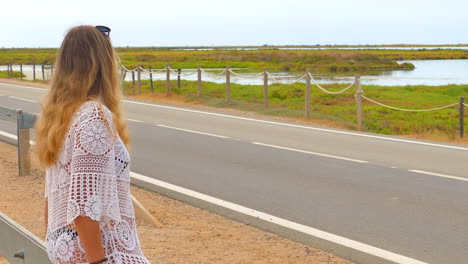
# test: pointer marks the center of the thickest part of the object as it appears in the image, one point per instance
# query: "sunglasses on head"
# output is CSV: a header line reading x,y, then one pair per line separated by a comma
x,y
105,30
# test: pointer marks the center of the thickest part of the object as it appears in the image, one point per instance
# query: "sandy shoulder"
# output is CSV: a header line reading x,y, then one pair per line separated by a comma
x,y
190,235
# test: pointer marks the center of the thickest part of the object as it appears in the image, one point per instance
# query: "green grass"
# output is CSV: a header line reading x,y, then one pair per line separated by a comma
x,y
288,101
16,74
320,61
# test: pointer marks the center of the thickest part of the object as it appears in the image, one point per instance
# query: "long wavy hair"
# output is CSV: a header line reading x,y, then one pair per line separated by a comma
x,y
86,69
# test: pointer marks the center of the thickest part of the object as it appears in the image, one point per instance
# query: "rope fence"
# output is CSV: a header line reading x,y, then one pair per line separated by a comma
x,y
267,78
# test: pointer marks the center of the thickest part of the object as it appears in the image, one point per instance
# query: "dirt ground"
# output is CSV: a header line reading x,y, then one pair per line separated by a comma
x,y
190,235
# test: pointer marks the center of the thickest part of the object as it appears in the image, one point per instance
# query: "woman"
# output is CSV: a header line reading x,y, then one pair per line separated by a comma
x,y
82,142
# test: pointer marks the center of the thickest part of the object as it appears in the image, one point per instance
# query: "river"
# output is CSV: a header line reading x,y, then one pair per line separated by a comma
x,y
427,72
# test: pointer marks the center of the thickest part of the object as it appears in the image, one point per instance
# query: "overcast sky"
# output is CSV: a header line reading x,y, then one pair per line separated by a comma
x,y
43,23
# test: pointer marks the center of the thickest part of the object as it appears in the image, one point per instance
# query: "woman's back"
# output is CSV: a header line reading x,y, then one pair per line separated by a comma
x,y
91,179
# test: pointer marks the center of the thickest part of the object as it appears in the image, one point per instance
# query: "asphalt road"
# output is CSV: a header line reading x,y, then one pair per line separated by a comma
x,y
357,185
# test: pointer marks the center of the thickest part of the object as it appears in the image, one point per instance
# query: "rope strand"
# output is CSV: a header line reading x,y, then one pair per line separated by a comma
x,y
330,92
408,110
245,76
276,79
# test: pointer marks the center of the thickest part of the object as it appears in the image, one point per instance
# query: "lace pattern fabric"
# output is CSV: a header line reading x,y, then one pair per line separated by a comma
x,y
91,178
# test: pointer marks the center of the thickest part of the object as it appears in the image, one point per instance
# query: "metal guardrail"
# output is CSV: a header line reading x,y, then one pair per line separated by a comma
x,y
18,245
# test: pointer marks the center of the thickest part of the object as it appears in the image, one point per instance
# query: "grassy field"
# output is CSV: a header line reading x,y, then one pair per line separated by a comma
x,y
320,61
288,101
16,74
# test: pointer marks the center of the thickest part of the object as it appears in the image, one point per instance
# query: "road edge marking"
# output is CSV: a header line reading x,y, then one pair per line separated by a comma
x,y
310,152
24,99
23,86
439,175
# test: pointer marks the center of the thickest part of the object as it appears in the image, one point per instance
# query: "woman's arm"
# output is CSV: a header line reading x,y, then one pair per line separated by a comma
x,y
90,236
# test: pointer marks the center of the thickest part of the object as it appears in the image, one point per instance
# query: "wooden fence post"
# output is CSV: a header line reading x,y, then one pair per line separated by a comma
x,y
168,80
265,87
307,94
151,79
51,70
43,73
179,72
124,74
461,111
139,78
24,162
199,80
228,84
133,81
358,101
21,71
34,72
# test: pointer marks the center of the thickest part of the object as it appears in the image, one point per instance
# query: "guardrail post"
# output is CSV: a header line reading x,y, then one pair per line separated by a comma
x,y
358,101
139,78
168,80
307,94
461,114
51,70
199,80
228,84
9,73
34,72
21,71
24,162
43,73
151,79
179,72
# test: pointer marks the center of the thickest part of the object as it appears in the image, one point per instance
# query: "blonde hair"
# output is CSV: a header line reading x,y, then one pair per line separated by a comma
x,y
86,68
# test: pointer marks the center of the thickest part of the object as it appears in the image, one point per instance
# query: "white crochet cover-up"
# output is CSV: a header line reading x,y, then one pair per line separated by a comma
x,y
91,178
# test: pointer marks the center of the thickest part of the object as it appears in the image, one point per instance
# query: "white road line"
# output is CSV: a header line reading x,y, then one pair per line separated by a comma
x,y
134,120
440,175
283,222
193,131
22,86
310,152
283,124
19,98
